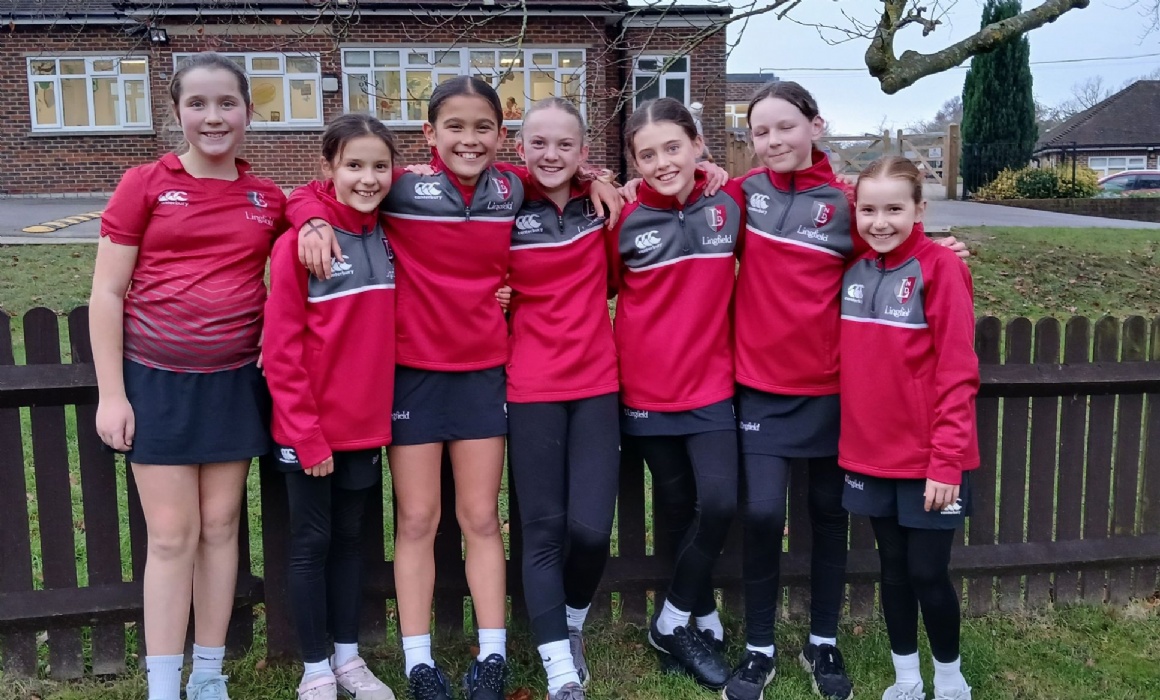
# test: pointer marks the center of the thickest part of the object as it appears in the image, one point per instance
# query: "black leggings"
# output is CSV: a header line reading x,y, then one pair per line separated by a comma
x,y
914,573
765,481
325,579
695,478
565,462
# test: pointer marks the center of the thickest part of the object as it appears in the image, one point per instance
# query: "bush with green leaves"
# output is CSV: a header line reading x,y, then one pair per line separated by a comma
x,y
1040,183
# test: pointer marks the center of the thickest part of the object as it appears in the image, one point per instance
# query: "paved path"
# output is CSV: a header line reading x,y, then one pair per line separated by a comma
x,y
943,214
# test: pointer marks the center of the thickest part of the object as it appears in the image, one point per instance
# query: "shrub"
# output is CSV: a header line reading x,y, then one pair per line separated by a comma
x,y
1002,187
1035,183
1040,183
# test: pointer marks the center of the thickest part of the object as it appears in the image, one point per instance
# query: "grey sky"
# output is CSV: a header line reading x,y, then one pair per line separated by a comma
x,y
853,102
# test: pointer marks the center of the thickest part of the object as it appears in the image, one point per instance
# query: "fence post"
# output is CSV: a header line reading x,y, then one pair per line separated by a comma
x,y
901,145
885,142
951,154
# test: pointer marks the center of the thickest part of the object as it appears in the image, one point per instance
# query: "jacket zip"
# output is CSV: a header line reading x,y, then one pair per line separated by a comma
x,y
684,234
367,254
880,264
788,207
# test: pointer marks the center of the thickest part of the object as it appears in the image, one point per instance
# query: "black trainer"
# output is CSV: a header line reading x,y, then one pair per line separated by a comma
x,y
692,654
485,679
751,676
428,683
827,671
716,645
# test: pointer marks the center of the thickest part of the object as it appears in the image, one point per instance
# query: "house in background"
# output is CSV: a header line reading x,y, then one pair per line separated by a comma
x,y
739,87
86,81
1120,133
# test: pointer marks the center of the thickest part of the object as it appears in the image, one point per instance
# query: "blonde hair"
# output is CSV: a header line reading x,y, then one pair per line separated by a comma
x,y
894,166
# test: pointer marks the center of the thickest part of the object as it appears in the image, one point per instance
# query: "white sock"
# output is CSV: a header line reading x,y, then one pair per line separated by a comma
x,y
819,641
316,669
344,653
558,664
164,676
949,676
712,623
577,616
417,650
768,651
671,618
906,670
207,661
492,642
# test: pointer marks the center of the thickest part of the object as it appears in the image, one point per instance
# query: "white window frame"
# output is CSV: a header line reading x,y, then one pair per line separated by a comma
x,y
1110,165
440,68
735,115
89,75
663,74
245,61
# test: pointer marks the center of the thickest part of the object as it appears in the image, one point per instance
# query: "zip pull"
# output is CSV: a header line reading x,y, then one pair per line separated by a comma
x,y
560,222
467,212
685,248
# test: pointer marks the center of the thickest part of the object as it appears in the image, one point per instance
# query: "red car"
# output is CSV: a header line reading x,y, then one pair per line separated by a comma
x,y
1130,182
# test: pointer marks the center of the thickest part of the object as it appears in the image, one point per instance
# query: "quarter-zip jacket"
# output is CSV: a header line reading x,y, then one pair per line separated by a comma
x,y
452,255
800,237
329,345
561,336
909,370
674,267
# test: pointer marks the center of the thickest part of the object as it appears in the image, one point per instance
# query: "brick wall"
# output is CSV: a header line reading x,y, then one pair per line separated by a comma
x,y
79,163
1065,158
1130,208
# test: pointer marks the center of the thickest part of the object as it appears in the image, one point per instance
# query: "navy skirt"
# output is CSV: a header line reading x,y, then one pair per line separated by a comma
x,y
787,426
197,417
432,406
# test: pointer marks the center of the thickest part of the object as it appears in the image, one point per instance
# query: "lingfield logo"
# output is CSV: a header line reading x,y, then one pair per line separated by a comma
x,y
759,202
428,190
648,241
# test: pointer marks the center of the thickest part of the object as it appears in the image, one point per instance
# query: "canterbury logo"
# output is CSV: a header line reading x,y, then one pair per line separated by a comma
x,y
759,202
528,222
173,197
428,189
647,241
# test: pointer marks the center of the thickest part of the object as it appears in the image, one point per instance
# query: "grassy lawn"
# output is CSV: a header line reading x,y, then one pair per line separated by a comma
x,y
1068,653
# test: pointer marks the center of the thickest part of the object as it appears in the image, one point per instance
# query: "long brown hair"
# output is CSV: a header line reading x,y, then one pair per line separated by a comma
x,y
894,166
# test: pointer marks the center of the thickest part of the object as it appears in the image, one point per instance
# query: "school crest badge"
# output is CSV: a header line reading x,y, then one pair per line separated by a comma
x,y
257,199
823,213
905,290
501,186
715,216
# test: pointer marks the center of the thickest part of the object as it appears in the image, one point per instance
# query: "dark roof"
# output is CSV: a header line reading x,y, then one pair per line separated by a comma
x,y
739,87
341,6
1131,117
59,9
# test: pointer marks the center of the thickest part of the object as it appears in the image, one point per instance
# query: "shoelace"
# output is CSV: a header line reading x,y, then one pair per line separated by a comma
x,y
210,689
425,682
751,671
490,674
694,643
361,678
912,693
571,691
830,661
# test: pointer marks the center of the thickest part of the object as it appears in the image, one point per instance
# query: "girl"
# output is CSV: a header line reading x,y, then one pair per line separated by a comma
x,y
329,360
175,336
908,343
452,232
672,257
800,220
564,442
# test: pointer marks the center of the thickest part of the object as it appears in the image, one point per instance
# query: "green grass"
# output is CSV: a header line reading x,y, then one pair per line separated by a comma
x,y
1077,653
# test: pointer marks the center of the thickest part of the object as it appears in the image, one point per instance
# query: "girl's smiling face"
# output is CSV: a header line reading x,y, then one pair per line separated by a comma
x,y
467,135
552,145
666,158
212,113
887,212
361,173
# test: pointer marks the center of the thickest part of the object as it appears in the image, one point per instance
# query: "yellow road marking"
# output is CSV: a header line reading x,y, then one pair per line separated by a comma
x,y
56,225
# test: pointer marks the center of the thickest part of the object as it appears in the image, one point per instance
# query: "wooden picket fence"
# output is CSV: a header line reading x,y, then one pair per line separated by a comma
x,y
1067,503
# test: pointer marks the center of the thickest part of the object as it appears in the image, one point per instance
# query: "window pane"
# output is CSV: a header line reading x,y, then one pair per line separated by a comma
x,y
303,99
388,59
43,67
418,93
573,87
571,59
136,106
448,58
105,102
679,65
356,94
238,59
511,94
647,64
103,65
418,58
301,64
543,85
356,59
72,67
644,91
483,59
511,59
75,92
1136,162
675,88
44,97
389,98
132,66
1098,162
542,59
269,100
268,64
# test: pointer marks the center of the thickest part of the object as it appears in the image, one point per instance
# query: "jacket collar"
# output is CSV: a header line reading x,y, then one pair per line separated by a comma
x,y
533,192
819,173
342,216
904,252
171,161
647,196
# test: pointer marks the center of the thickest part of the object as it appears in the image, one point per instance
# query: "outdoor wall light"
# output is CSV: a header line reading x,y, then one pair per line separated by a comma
x,y
329,82
158,36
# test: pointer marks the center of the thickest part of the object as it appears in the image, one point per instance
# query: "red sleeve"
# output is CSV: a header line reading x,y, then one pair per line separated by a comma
x,y
303,206
519,171
284,355
127,214
612,249
950,313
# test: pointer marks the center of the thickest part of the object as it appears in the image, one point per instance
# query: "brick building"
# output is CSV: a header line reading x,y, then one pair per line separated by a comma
x,y
739,88
1117,134
85,81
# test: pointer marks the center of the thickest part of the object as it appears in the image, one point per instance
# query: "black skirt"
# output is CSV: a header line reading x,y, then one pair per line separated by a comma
x,y
787,426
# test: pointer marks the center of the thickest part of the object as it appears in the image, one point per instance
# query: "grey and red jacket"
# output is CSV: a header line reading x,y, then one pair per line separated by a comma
x,y
909,370
800,236
561,337
452,246
329,345
674,268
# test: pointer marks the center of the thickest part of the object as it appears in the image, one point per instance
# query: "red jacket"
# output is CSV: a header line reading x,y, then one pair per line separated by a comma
x,y
675,268
329,346
800,235
909,369
452,250
561,335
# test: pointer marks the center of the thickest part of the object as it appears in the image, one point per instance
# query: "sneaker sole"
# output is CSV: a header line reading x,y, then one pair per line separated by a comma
x,y
809,668
761,695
